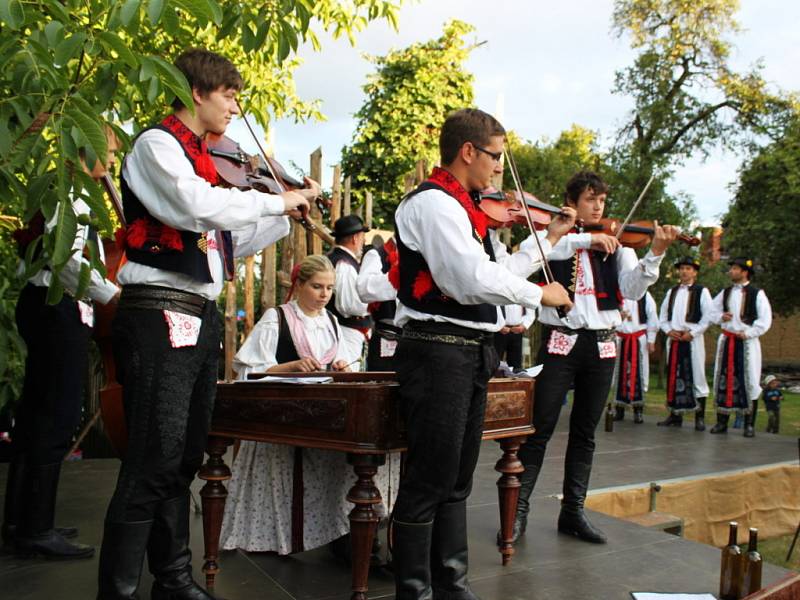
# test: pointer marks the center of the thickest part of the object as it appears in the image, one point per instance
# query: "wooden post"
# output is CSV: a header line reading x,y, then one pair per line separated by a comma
x,y
268,268
249,303
336,194
287,262
313,242
421,171
368,209
299,240
346,199
408,182
230,327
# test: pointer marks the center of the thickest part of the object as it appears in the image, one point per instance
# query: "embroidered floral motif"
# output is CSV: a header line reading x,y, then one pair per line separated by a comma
x,y
561,343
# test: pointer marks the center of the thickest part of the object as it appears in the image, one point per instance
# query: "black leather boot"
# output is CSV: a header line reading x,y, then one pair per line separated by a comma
x,y
638,415
121,559
527,483
36,535
169,556
672,420
619,413
449,555
572,519
722,424
411,558
700,415
750,421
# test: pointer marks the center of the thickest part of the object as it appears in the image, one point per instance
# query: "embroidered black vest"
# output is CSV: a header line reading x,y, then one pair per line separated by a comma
x,y
163,247
604,274
749,310
383,311
286,351
336,256
433,302
693,312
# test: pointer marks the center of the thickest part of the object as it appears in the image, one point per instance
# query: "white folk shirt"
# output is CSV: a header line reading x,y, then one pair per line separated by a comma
x,y
518,315
160,175
634,277
372,283
752,345
99,289
434,224
631,323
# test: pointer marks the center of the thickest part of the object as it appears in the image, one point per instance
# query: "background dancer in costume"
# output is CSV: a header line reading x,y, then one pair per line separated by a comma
x,y
49,409
182,237
745,314
350,311
580,350
375,288
449,289
686,312
508,341
636,337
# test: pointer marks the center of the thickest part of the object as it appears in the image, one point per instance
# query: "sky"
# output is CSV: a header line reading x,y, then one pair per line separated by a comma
x,y
544,66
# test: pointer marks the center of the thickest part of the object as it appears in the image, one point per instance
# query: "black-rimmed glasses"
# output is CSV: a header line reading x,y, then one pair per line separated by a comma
x,y
496,156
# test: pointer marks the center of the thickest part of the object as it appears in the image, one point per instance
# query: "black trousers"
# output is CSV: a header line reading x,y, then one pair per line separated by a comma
x,y
169,397
49,408
376,362
443,399
592,379
509,346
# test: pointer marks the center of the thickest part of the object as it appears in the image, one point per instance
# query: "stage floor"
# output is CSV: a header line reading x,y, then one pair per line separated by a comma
x,y
546,565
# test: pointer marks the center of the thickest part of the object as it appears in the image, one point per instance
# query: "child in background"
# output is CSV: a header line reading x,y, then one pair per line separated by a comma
x,y
772,402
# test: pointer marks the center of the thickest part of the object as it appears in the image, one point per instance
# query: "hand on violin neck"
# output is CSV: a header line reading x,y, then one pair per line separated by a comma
x,y
602,242
313,187
554,294
561,225
663,237
296,203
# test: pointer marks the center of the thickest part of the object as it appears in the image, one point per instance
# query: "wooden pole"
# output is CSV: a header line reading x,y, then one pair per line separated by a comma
x,y
313,242
368,208
268,268
249,290
287,262
299,241
408,182
230,327
336,194
346,199
421,171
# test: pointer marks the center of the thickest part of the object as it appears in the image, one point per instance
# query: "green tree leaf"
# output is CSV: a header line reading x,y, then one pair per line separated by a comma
x,y
113,42
174,80
86,120
155,8
68,48
12,13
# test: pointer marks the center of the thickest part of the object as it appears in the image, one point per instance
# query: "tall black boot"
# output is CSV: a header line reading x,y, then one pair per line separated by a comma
x,y
750,421
411,558
169,556
722,424
638,412
700,415
672,420
121,559
619,413
572,519
449,555
527,483
36,535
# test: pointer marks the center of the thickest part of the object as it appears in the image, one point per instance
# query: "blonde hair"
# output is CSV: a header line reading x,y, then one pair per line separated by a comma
x,y
307,268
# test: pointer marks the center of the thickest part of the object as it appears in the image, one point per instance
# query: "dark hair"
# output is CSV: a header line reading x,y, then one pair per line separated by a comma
x,y
581,181
206,72
466,125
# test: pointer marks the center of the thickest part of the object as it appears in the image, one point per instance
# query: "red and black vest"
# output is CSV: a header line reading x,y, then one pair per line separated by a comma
x,y
384,311
150,242
749,309
336,256
604,275
693,311
416,287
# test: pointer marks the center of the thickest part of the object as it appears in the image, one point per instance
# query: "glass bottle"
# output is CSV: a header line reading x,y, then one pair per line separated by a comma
x,y
751,569
730,567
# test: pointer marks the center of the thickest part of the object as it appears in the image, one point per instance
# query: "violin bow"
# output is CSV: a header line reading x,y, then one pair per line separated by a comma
x,y
634,207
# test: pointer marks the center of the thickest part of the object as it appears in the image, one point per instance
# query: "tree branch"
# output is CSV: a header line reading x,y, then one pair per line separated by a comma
x,y
667,147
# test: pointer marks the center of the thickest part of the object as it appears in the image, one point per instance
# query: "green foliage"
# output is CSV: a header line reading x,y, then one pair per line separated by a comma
x,y
69,66
408,98
764,222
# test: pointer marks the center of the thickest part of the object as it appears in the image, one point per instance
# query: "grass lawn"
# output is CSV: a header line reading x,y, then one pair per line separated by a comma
x,y
774,551
655,404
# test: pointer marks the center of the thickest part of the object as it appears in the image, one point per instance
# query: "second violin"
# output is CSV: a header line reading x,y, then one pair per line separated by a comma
x,y
635,235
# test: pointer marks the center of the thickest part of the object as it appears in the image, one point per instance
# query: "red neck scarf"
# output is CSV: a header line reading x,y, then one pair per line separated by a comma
x,y
195,148
452,186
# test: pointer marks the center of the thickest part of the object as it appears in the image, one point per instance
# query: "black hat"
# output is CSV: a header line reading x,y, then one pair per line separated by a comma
x,y
744,263
689,261
348,225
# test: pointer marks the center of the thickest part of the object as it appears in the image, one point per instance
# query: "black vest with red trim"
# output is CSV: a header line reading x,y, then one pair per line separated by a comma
x,y
336,256
693,312
604,275
383,311
418,291
749,310
150,242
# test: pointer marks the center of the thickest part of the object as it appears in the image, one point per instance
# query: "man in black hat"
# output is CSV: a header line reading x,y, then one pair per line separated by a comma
x,y
686,313
745,314
352,313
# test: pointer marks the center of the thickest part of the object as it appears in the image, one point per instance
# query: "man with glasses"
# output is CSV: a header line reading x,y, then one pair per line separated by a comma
x,y
451,280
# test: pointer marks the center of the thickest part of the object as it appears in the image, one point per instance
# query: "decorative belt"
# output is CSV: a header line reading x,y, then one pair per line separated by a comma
x,y
137,297
446,338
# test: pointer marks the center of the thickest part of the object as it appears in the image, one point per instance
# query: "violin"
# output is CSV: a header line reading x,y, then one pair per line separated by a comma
x,y
636,235
238,169
505,209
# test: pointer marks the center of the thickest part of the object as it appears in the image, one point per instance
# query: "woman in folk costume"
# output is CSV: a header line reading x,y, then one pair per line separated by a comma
x,y
744,313
299,336
636,337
